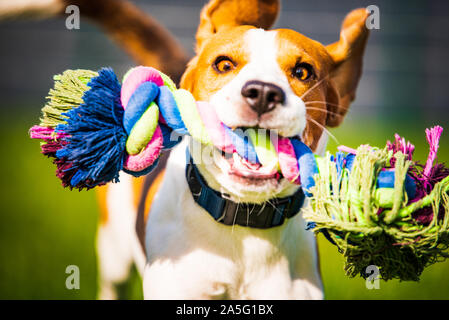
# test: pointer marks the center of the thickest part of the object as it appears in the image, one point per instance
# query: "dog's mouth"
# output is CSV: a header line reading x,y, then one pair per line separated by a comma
x,y
245,171
242,168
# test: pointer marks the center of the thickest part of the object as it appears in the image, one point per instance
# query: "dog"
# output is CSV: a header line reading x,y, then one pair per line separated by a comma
x,y
253,77
189,255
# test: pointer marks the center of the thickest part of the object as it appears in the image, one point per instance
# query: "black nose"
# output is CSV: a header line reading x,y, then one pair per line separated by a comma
x,y
262,97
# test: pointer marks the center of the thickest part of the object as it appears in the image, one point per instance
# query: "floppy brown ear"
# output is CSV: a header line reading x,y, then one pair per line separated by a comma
x,y
219,14
188,78
347,55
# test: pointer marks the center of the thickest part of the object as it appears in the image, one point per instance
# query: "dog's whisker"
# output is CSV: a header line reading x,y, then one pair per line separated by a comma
x,y
248,214
313,87
324,110
328,103
275,208
324,129
235,216
252,209
263,207
272,196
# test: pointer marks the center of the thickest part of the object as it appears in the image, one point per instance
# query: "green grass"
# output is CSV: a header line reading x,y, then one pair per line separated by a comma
x,y
44,228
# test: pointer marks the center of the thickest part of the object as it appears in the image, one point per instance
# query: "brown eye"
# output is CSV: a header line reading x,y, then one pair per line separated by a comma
x,y
223,64
303,71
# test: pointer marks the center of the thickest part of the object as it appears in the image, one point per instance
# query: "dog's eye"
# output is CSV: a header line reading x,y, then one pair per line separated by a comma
x,y
223,64
303,71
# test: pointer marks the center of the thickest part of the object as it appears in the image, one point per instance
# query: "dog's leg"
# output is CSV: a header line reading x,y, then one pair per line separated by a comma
x,y
276,282
113,266
195,275
117,243
292,270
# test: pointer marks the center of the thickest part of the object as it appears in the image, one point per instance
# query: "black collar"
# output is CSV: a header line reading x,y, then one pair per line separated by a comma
x,y
252,215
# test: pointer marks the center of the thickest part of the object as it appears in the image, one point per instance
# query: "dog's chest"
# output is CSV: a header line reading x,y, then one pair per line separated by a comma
x,y
227,261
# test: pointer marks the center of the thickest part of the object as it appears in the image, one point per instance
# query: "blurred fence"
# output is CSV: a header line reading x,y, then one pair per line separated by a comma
x,y
404,75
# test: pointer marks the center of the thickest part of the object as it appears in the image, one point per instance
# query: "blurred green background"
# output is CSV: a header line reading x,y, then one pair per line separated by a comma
x,y
44,228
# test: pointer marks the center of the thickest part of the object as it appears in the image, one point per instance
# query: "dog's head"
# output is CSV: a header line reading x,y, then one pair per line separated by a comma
x,y
270,79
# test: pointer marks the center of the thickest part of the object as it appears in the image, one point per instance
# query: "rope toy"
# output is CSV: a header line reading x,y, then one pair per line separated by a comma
x,y
382,208
94,127
378,206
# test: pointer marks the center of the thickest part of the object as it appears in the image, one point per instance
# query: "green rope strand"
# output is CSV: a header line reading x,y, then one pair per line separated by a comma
x,y
67,93
346,209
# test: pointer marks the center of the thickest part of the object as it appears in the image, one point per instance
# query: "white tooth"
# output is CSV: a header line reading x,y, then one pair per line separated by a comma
x,y
225,165
222,163
273,165
236,157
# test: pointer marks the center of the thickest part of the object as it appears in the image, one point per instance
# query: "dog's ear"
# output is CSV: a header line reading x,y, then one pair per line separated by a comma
x,y
347,55
220,14
188,78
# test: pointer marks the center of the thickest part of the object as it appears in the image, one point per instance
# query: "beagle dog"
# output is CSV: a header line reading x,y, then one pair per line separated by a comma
x,y
225,230
253,77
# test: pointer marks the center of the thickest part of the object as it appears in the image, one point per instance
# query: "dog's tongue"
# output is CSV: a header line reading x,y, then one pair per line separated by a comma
x,y
244,168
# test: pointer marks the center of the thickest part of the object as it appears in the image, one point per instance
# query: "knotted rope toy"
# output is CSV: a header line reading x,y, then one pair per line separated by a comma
x,y
94,128
378,206
382,208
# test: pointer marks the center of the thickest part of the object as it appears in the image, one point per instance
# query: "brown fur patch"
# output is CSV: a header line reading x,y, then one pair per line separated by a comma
x,y
101,193
221,14
137,189
294,48
200,78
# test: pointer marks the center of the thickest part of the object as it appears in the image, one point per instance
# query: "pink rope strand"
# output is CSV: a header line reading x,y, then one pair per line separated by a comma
x,y
433,138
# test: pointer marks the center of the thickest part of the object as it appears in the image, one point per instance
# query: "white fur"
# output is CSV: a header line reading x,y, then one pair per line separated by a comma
x,y
189,254
231,107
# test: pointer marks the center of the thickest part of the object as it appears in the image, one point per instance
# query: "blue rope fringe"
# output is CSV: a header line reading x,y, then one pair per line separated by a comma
x,y
97,138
